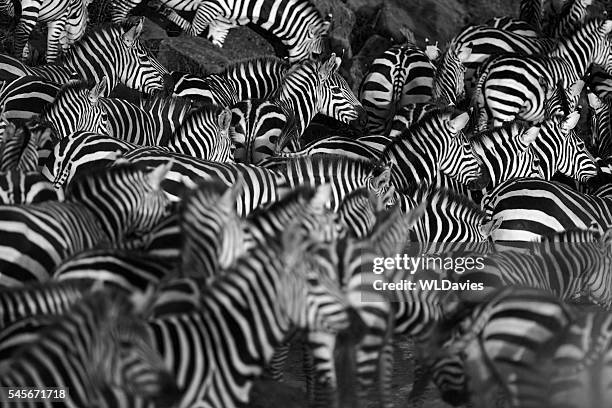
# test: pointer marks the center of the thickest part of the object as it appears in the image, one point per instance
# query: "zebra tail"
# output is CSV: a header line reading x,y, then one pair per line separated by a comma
x,y
478,102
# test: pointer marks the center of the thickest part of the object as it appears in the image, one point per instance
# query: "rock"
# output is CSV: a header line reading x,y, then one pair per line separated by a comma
x,y
200,56
342,27
373,47
437,20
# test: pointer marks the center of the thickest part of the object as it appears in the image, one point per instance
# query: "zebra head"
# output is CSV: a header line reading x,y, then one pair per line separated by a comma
x,y
338,101
598,33
505,152
139,69
206,133
449,80
213,234
457,158
312,296
77,107
311,39
570,156
121,352
127,200
7,8
597,281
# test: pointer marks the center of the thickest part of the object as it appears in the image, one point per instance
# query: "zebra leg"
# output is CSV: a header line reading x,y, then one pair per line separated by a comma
x,y
30,10
385,373
275,369
173,17
56,33
218,31
202,19
322,385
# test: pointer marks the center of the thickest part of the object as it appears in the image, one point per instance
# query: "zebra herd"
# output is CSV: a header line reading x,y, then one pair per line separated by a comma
x,y
167,251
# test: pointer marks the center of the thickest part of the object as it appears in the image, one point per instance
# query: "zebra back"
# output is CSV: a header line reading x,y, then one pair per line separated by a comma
x,y
401,76
112,349
514,25
572,14
77,107
122,270
435,144
507,152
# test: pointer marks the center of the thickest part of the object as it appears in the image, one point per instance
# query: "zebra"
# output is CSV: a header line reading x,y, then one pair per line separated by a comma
x,y
486,42
113,351
212,235
307,89
600,83
66,115
508,152
448,82
402,75
120,269
500,341
303,298
560,150
572,14
579,377
97,209
49,298
559,208
530,11
264,185
435,144
601,138
253,78
114,52
569,271
7,8
357,212
19,148
300,27
66,20
20,180
510,86
513,25
560,101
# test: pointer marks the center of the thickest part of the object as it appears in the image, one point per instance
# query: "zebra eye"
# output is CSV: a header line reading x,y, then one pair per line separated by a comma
x,y
336,90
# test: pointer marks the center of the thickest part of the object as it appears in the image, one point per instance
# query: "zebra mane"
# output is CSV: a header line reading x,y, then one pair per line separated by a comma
x,y
506,126
436,194
254,61
208,188
303,191
439,110
331,160
72,86
117,171
115,30
204,107
589,26
157,101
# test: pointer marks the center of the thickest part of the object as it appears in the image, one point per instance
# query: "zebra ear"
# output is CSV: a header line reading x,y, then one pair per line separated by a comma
x,y
322,197
142,301
570,122
606,27
329,67
456,124
594,101
97,91
382,179
465,53
158,174
487,228
225,119
132,35
530,135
